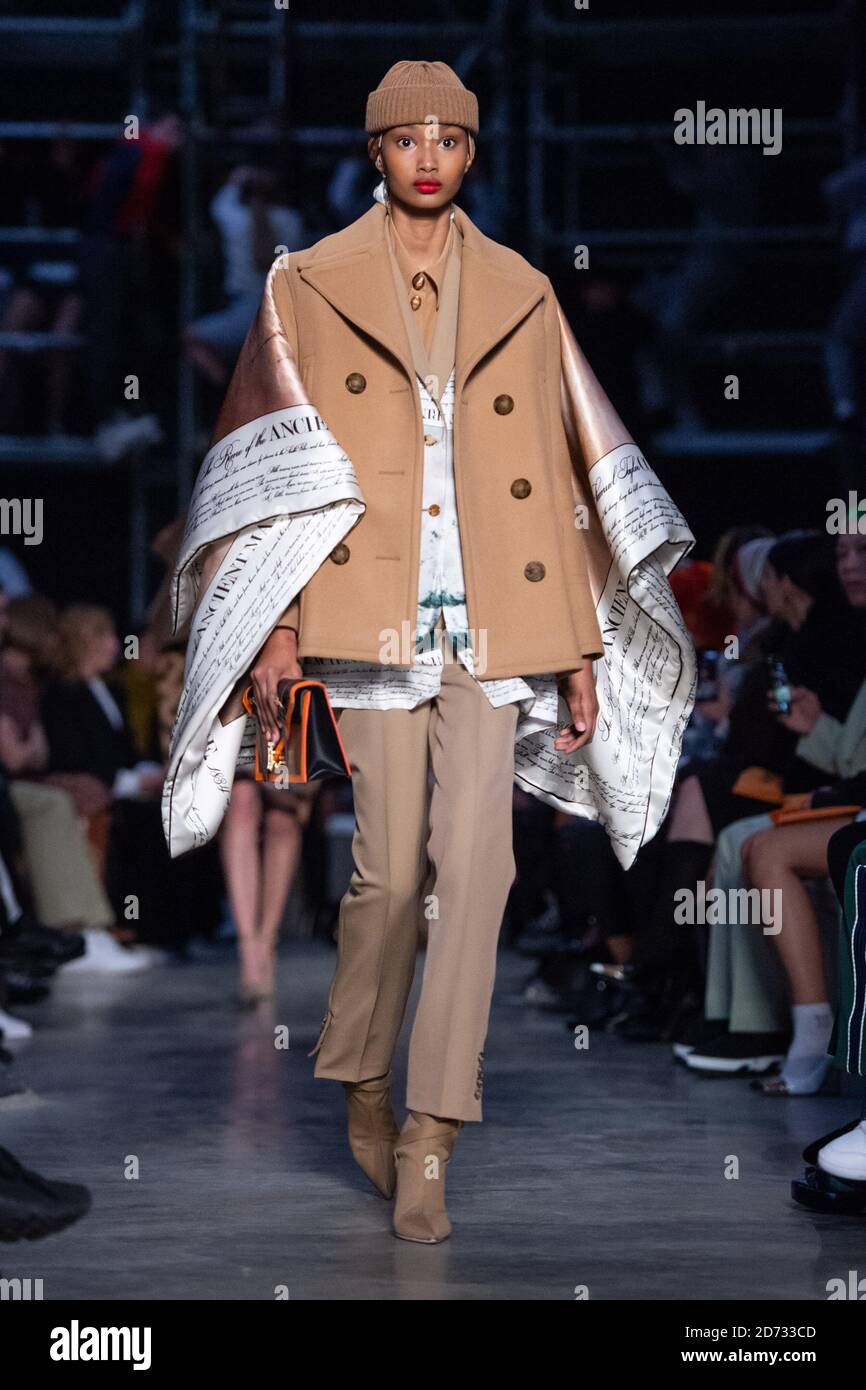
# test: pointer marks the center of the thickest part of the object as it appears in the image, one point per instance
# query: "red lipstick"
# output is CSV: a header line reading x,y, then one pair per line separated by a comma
x,y
427,185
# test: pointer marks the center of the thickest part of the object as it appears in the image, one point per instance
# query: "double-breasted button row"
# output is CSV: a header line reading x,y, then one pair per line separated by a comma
x,y
340,554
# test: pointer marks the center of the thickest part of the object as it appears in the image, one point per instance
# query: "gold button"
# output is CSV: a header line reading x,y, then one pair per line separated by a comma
x,y
434,509
340,554
521,487
415,301
419,280
503,405
430,439
356,383
534,570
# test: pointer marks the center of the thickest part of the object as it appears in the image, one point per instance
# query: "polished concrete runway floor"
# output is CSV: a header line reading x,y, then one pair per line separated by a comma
x,y
601,1170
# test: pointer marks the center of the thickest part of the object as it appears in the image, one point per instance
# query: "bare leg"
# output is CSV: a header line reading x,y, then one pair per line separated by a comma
x,y
781,858
281,852
689,818
239,850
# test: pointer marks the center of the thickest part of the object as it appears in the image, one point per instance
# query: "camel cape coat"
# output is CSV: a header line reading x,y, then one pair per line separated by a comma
x,y
307,510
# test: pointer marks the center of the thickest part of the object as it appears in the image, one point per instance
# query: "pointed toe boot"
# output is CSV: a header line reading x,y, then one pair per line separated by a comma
x,y
423,1151
373,1130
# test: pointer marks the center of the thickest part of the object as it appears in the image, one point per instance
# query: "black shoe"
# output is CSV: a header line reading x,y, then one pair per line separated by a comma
x,y
655,1014
541,933
27,986
32,1206
27,941
696,1032
604,998
740,1054
823,1192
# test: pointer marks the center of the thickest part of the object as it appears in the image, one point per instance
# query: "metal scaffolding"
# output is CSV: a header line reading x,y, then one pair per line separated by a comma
x,y
558,156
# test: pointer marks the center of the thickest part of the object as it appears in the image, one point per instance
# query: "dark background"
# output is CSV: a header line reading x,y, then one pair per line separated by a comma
x,y
576,146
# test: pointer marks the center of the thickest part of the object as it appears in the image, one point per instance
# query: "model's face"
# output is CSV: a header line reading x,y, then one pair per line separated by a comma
x,y
425,164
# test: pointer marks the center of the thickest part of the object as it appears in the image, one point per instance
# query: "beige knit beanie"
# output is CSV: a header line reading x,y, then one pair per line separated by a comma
x,y
414,93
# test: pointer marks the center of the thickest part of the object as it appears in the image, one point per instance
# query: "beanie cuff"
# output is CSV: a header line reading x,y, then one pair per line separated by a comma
x,y
419,105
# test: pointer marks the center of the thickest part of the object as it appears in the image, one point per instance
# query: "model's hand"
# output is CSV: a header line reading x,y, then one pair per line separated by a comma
x,y
277,661
577,689
805,710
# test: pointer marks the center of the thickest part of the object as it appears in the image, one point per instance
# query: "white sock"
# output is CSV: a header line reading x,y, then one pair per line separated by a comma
x,y
807,1062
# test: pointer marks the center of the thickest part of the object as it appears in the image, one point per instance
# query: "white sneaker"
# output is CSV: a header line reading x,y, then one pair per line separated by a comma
x,y
105,955
14,1029
845,1157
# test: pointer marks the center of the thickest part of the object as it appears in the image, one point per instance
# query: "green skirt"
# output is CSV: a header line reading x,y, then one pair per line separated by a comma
x,y
848,1043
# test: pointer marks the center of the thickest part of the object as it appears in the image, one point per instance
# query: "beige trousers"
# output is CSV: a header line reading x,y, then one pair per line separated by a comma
x,y
443,854
66,887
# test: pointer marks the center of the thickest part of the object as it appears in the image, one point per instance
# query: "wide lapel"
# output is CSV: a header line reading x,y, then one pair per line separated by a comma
x,y
493,299
359,284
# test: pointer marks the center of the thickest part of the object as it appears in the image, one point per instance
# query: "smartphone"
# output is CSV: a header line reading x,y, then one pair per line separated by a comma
x,y
780,686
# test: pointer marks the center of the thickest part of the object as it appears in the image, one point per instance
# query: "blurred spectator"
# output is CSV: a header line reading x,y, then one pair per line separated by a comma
x,y
159,901
777,857
86,727
260,843
814,627
252,226
129,232
13,577
725,184
66,890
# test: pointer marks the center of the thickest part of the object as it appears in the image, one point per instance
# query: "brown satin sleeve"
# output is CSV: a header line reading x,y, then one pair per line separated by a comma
x,y
592,428
598,427
266,376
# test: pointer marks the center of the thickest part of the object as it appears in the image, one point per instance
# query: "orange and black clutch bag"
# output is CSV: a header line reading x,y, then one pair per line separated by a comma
x,y
311,745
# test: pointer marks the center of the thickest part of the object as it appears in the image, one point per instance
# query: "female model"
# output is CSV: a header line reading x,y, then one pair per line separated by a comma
x,y
397,460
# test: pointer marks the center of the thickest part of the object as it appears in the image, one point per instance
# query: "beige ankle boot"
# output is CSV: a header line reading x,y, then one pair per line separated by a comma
x,y
423,1150
373,1130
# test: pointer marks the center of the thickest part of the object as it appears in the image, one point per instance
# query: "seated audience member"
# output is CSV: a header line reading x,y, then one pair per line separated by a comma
x,y
66,890
835,1181
778,857
814,628
88,732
